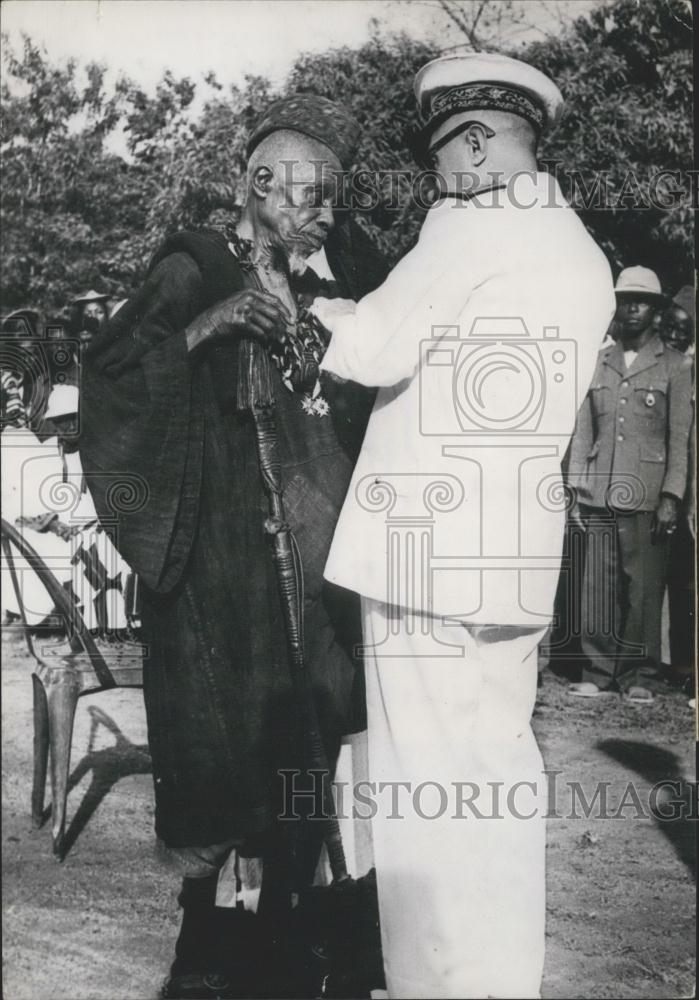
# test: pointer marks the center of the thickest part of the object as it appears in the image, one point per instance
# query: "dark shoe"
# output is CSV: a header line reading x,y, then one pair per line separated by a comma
x,y
217,952
202,985
344,917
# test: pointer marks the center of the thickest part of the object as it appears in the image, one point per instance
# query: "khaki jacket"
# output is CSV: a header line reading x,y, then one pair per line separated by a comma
x,y
632,434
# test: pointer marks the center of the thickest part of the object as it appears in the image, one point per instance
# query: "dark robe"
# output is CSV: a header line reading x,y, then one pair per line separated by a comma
x,y
172,462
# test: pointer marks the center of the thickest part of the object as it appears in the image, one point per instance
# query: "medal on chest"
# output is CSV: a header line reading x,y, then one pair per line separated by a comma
x,y
298,358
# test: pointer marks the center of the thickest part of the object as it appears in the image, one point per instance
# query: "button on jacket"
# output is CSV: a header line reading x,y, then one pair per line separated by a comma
x,y
631,440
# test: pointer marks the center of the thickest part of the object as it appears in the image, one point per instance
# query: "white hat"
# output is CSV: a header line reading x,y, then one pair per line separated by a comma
x,y
639,281
91,296
477,80
62,401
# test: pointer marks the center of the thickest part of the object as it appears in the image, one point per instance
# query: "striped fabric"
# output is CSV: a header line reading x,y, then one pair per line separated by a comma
x,y
12,409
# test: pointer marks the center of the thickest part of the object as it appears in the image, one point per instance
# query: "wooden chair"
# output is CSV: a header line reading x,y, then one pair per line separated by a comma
x,y
58,681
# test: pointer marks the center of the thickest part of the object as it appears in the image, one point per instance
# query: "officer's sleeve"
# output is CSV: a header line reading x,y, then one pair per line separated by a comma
x,y
678,427
378,342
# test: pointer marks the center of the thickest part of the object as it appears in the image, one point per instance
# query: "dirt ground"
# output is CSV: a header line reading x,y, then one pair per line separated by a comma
x,y
101,924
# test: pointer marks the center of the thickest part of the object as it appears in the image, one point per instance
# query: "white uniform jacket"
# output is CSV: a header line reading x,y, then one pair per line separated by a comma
x,y
483,340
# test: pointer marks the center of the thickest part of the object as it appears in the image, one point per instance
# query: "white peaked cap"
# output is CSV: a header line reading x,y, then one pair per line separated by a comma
x,y
456,83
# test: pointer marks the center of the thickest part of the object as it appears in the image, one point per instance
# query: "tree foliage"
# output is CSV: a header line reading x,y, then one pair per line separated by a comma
x,y
627,73
76,215
72,213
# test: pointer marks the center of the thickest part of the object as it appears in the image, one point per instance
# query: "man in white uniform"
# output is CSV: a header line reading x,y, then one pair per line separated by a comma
x,y
483,341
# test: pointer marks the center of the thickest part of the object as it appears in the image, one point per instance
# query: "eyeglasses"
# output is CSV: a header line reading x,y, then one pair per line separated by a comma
x,y
453,134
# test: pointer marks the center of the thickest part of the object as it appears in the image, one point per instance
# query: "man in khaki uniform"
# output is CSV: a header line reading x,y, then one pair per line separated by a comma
x,y
628,466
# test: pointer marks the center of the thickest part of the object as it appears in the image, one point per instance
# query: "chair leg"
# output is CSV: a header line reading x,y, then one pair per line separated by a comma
x,y
62,696
41,750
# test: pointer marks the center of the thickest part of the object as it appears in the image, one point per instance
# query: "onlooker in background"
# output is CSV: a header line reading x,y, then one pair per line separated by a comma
x,y
116,306
628,466
99,571
29,467
62,351
23,354
677,330
691,520
44,495
14,413
92,312
562,649
677,326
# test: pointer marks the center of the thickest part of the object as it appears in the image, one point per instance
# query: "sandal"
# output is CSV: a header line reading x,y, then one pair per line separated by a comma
x,y
586,689
639,695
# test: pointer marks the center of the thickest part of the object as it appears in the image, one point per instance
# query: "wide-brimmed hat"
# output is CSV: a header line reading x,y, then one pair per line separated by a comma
x,y
91,296
474,81
640,282
313,116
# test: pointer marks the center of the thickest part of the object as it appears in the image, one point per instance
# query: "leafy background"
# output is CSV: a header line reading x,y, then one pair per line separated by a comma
x,y
75,214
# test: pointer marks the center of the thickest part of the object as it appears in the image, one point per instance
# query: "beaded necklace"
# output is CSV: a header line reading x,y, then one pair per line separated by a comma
x,y
298,357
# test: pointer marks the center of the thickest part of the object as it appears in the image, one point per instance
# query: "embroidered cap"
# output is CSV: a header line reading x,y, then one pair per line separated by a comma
x,y
316,117
484,81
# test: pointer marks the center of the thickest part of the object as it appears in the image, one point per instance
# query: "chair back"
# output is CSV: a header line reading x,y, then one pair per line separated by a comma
x,y
78,633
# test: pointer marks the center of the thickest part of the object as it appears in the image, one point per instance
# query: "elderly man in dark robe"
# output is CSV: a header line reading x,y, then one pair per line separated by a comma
x,y
169,448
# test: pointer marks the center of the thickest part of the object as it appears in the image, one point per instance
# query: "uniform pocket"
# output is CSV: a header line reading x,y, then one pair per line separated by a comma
x,y
650,400
652,468
652,452
602,401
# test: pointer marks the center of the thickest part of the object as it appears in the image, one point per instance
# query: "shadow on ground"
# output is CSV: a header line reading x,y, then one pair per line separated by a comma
x,y
107,766
655,764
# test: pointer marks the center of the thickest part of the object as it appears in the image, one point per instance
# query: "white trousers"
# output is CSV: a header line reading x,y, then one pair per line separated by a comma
x,y
461,894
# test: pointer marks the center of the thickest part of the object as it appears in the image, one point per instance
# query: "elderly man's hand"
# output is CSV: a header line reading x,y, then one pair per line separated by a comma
x,y
249,313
